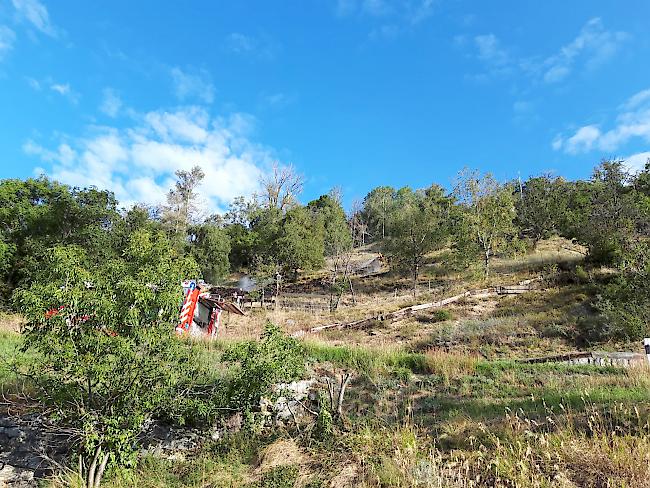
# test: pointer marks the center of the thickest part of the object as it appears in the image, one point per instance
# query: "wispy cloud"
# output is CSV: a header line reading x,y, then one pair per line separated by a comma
x,y
36,14
63,89
422,11
111,102
278,100
192,85
7,38
263,47
393,13
592,47
493,54
632,122
138,162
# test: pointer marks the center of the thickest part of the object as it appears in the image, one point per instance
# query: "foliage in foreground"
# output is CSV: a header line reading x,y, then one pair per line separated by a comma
x,y
105,360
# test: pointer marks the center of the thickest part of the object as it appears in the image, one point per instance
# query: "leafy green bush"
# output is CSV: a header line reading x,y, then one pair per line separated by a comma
x,y
624,302
105,357
276,358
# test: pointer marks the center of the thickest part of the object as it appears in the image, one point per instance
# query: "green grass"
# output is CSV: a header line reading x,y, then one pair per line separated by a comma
x,y
369,362
9,344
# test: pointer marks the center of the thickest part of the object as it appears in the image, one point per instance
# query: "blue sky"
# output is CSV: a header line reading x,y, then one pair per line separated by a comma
x,y
353,93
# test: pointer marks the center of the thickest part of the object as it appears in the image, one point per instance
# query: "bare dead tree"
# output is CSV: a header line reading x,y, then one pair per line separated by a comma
x,y
340,276
358,225
281,187
337,397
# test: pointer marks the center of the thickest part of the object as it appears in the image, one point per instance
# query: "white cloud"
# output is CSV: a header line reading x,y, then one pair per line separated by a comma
x,y
111,102
345,7
636,162
138,162
63,155
632,122
65,90
61,89
592,47
594,44
490,50
7,38
195,85
35,13
583,140
637,100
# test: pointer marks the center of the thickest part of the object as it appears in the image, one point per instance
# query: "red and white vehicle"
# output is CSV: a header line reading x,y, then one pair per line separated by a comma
x,y
201,311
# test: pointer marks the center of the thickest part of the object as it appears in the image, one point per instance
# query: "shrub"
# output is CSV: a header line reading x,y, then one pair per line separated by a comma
x,y
276,358
106,360
440,315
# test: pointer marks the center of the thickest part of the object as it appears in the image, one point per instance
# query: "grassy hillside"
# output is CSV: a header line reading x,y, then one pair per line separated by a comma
x,y
438,399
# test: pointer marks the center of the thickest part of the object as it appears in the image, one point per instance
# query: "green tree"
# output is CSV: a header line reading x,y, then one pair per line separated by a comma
x,y
486,220
337,236
36,214
337,241
419,226
106,360
300,244
642,180
242,246
378,207
540,204
210,248
604,212
625,301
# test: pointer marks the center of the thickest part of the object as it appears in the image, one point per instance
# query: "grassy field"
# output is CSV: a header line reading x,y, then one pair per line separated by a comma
x,y
442,420
438,399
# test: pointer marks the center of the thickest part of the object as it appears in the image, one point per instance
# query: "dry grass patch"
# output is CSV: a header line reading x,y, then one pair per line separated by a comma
x,y
11,323
450,364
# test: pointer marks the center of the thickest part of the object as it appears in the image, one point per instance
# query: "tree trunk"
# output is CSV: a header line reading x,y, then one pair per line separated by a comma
x,y
354,298
100,473
345,379
415,278
90,479
487,264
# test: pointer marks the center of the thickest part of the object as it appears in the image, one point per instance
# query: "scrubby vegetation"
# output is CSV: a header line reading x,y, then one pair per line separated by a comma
x,y
437,398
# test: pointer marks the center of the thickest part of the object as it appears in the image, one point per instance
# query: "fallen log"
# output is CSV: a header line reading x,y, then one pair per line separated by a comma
x,y
521,287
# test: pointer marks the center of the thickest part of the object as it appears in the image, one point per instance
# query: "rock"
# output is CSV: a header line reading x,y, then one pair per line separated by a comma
x,y
22,441
288,403
11,476
11,432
